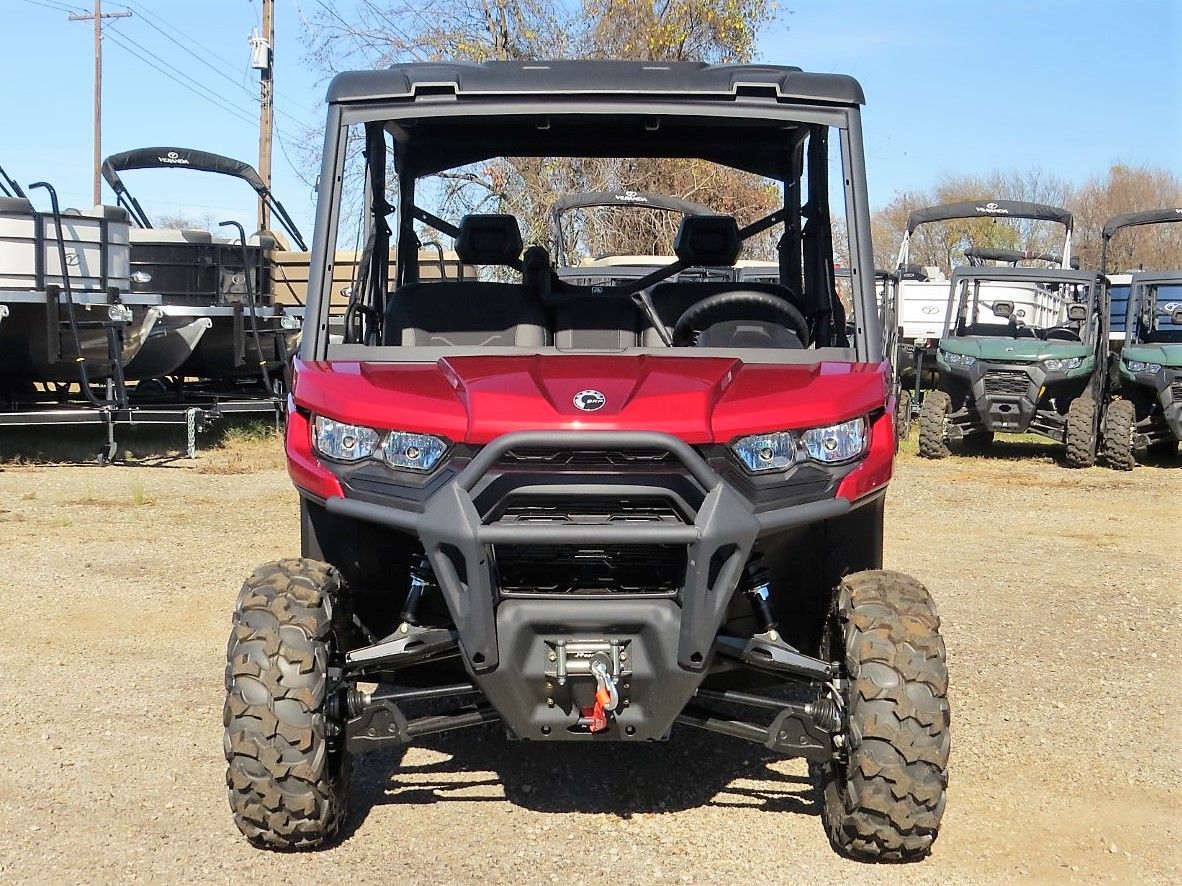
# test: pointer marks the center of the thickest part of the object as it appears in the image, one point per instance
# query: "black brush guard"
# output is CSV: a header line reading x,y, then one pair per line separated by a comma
x,y
506,644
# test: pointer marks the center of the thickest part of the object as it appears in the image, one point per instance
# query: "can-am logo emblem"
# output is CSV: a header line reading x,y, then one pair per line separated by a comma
x,y
631,197
589,401
174,158
993,209
930,309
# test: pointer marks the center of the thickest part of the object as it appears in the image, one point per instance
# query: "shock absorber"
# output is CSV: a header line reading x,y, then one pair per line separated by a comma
x,y
421,578
758,591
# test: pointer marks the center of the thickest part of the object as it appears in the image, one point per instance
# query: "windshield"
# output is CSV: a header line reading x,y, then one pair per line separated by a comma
x,y
457,246
1022,309
1151,310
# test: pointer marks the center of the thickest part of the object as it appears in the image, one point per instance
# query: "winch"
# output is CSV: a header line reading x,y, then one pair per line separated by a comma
x,y
592,676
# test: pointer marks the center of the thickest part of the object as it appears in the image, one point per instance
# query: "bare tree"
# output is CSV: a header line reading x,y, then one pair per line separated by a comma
x,y
1129,189
383,32
182,221
1120,189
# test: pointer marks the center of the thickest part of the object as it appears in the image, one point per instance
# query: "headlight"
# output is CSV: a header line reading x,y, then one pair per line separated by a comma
x,y
1058,364
141,277
289,321
119,313
417,452
341,441
766,452
1140,366
353,443
834,444
957,359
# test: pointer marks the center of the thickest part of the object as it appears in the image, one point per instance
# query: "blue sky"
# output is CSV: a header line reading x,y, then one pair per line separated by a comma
x,y
968,86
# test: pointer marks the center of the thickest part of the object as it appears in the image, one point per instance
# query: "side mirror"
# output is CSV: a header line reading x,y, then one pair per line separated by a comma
x,y
1078,313
1176,317
1003,309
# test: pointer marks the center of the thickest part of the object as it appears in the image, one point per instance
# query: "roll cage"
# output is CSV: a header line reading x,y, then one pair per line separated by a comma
x,y
973,209
773,122
1132,220
1141,313
964,296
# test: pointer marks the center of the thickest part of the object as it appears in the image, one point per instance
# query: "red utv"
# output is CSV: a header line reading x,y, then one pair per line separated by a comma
x,y
590,512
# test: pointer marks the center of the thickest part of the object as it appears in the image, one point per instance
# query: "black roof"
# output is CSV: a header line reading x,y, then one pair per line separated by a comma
x,y
1149,217
989,209
1166,277
619,78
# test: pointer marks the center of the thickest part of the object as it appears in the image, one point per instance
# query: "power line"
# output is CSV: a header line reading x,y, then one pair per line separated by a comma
x,y
188,42
182,79
209,97
50,4
224,103
221,73
291,164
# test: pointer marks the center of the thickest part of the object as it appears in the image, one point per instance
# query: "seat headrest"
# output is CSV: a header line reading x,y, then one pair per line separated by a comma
x,y
488,240
708,241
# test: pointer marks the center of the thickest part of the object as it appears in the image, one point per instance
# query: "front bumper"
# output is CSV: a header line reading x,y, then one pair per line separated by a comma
x,y
1164,391
506,644
1015,398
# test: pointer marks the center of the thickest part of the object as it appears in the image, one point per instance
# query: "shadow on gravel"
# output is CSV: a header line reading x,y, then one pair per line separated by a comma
x,y
1027,449
690,770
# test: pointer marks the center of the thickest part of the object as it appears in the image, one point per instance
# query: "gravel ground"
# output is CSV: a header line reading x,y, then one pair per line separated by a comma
x,y
116,586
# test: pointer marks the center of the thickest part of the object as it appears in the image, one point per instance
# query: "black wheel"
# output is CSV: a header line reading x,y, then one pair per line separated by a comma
x,y
150,389
933,421
903,414
287,774
1119,418
885,799
1081,432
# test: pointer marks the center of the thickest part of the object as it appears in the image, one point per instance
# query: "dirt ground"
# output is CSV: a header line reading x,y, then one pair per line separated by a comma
x,y
1059,592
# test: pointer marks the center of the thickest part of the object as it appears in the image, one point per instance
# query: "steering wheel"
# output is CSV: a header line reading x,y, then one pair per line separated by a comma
x,y
743,304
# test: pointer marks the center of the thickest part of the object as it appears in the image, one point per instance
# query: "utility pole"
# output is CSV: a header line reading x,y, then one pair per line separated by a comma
x,y
98,17
263,59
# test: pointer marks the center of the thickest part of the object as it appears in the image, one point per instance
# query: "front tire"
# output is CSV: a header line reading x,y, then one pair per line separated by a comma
x,y
287,776
933,419
1119,418
1081,432
903,414
884,801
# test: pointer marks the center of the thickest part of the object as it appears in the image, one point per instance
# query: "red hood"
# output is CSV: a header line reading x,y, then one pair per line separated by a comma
x,y
698,399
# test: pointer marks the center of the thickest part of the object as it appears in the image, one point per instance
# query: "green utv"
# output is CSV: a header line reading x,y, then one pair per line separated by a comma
x,y
1146,410
1023,351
